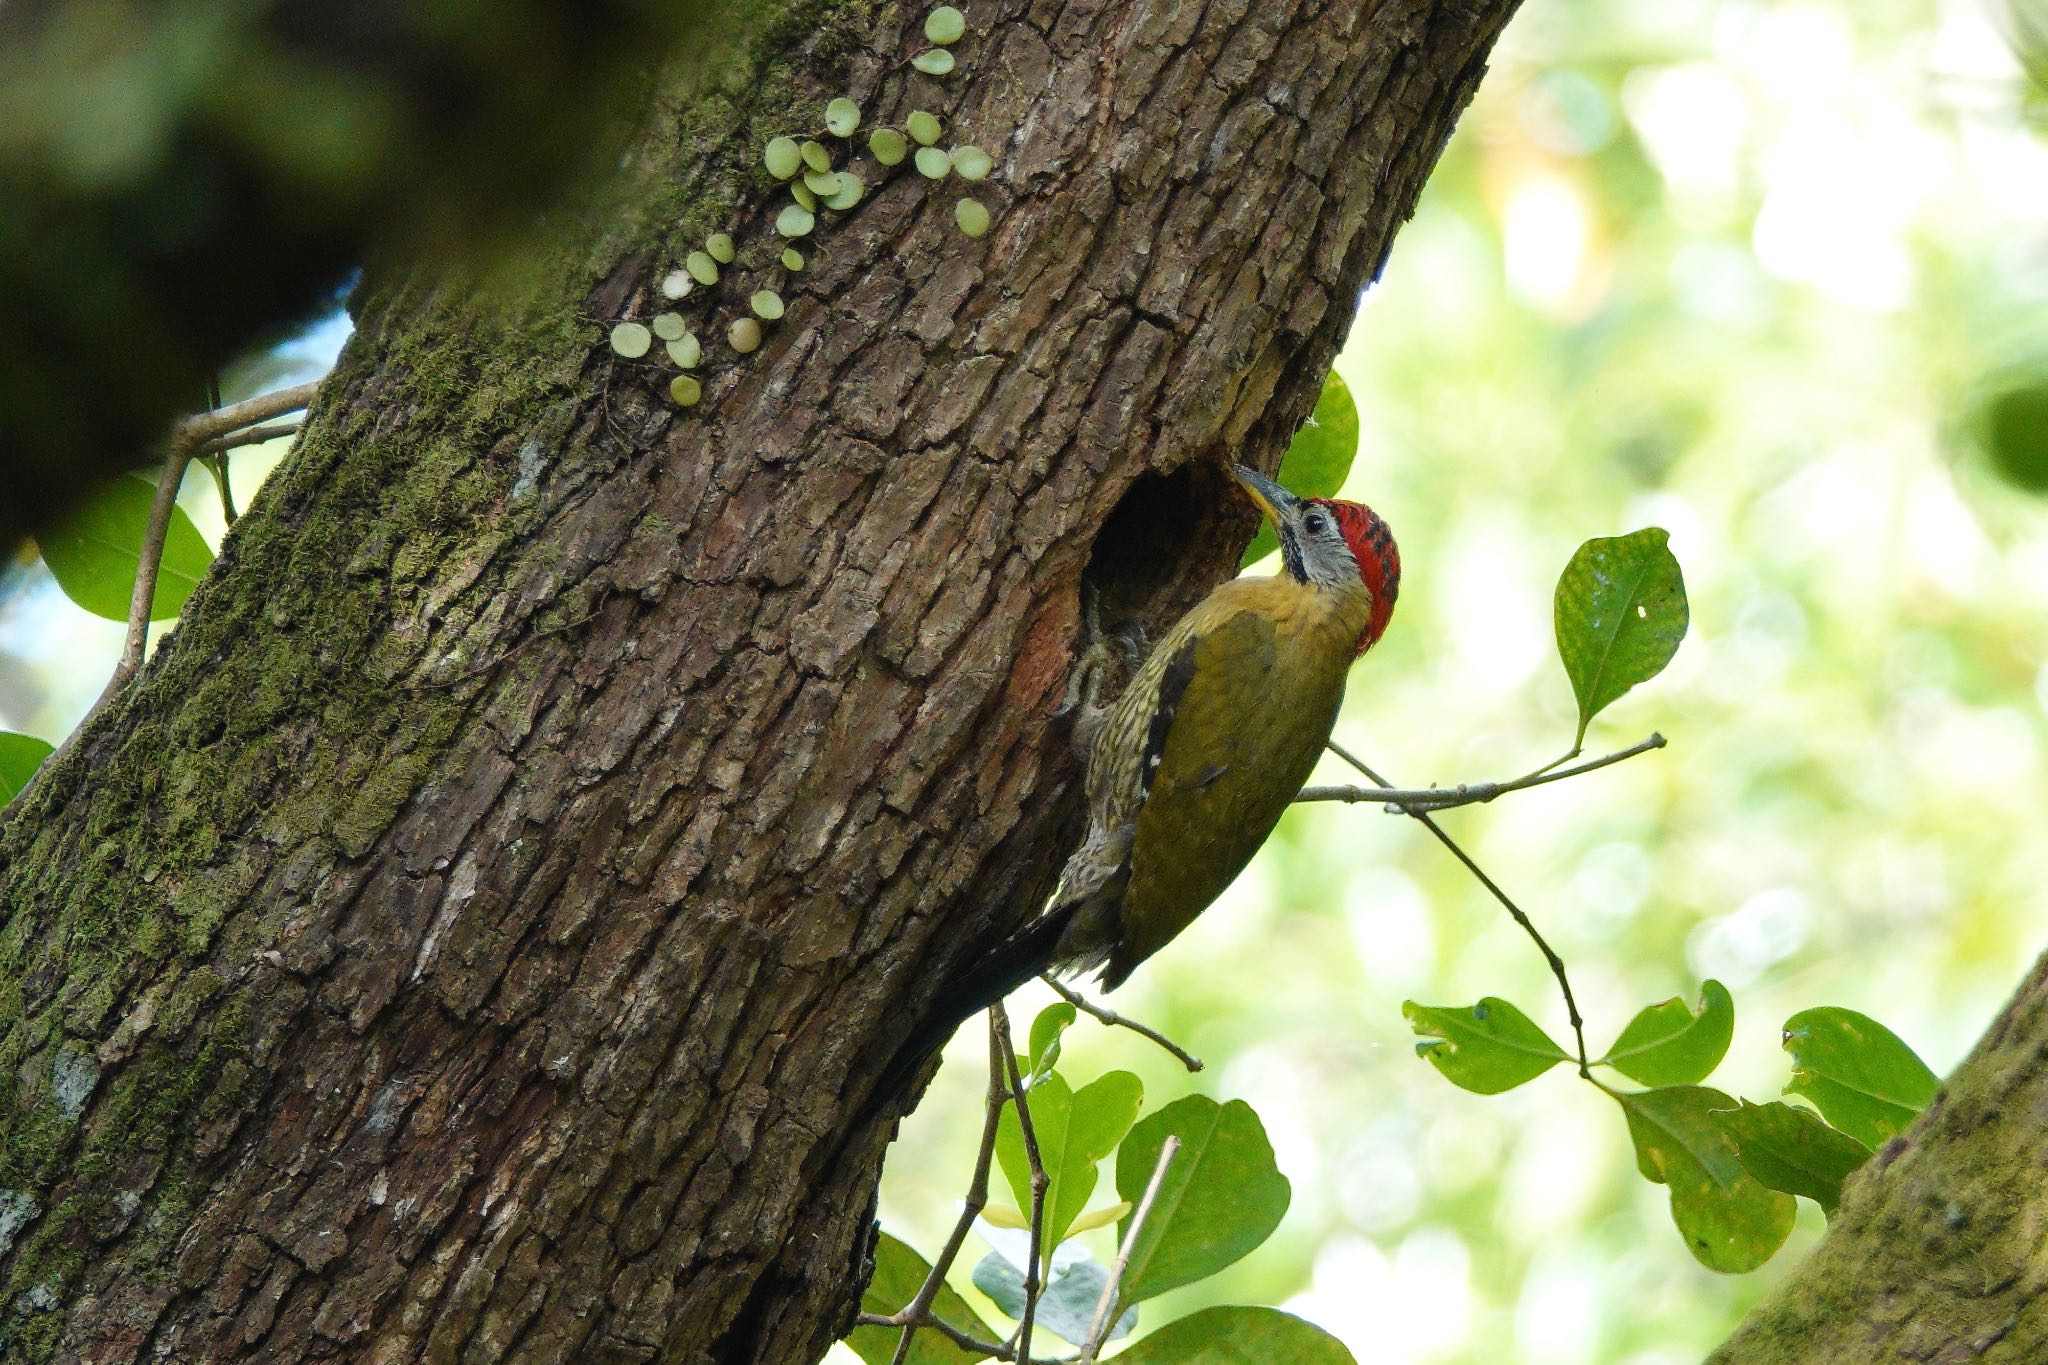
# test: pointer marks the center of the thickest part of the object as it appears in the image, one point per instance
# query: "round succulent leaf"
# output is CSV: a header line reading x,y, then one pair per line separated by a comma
x,y
824,184
851,187
686,350
1861,1075
842,117
766,303
782,157
744,335
631,339
1222,1194
924,128
95,552
801,192
816,157
20,756
795,221
1670,1044
1238,1336
702,268
1317,459
685,389
1485,1048
1790,1149
720,247
1731,1221
792,259
972,217
899,1273
669,326
888,145
972,163
934,162
1620,613
945,25
933,61
677,284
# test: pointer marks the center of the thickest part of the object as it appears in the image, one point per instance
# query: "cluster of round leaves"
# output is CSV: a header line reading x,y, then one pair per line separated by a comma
x,y
805,166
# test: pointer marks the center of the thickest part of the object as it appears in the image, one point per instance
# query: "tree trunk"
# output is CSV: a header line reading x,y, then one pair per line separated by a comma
x,y
1935,1253
477,935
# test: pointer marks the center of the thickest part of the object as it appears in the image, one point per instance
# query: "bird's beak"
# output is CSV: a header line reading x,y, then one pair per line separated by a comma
x,y
1276,502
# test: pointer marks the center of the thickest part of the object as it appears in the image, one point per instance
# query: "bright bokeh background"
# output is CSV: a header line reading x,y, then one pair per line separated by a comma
x,y
1736,269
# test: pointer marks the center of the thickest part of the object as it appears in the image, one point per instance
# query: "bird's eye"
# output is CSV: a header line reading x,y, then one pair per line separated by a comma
x,y
1315,523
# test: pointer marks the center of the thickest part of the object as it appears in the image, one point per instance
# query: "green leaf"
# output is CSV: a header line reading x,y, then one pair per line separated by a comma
x,y
972,217
20,756
1238,1336
1221,1197
766,303
1730,1220
1620,612
888,146
792,259
815,155
945,25
744,335
782,157
823,184
1046,1029
702,268
1790,1149
1669,1044
842,116
899,1273
935,61
933,162
686,350
1075,1129
924,128
972,163
1066,1306
95,551
1318,458
686,391
795,221
847,192
1859,1073
801,192
1485,1048
631,340
667,326
720,247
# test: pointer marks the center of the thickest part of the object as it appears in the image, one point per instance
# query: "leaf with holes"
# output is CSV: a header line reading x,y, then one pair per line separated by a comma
x,y
1731,1221
899,1273
1317,460
1485,1048
1860,1074
95,551
1790,1149
1669,1044
1620,613
1222,1194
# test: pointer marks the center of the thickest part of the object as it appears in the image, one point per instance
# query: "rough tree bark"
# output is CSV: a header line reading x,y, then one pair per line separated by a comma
x,y
475,936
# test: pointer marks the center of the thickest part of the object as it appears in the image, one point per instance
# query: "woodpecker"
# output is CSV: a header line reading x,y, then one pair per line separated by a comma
x,y
1189,770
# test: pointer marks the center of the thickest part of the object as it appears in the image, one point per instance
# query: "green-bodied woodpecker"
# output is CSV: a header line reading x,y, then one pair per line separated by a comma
x,y
1190,769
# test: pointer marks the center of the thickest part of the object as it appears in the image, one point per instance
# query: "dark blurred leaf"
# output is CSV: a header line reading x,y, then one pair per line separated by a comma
x,y
1066,1307
899,1273
1221,1197
1485,1048
95,552
1730,1220
1046,1029
1075,1129
1861,1076
2013,426
1620,613
1669,1044
20,756
1238,1336
1790,1149
1318,458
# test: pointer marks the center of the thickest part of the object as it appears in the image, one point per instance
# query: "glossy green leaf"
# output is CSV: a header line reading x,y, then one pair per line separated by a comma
x,y
1669,1044
945,25
933,162
20,756
1075,1130
1318,459
95,551
1221,1196
1046,1029
631,340
816,156
888,146
1066,1306
795,221
935,61
1238,1336
1790,1149
972,163
669,326
685,389
686,350
924,128
1485,1048
719,246
899,1273
744,335
847,192
702,268
1857,1072
972,217
792,259
842,117
1620,613
782,157
1731,1221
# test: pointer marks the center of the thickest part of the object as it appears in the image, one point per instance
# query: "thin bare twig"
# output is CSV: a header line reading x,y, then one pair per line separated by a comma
x,y
248,436
918,1312
1039,1180
1104,1014
1474,793
1528,927
194,432
965,1340
1105,1307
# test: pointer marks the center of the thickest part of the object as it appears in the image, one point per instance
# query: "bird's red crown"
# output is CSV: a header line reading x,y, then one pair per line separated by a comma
x,y
1379,561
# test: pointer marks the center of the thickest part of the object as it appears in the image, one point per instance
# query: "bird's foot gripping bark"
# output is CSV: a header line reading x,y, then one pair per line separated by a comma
x,y
1103,664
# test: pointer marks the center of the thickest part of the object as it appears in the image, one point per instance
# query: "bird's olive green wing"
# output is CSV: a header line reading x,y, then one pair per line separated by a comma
x,y
1238,743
